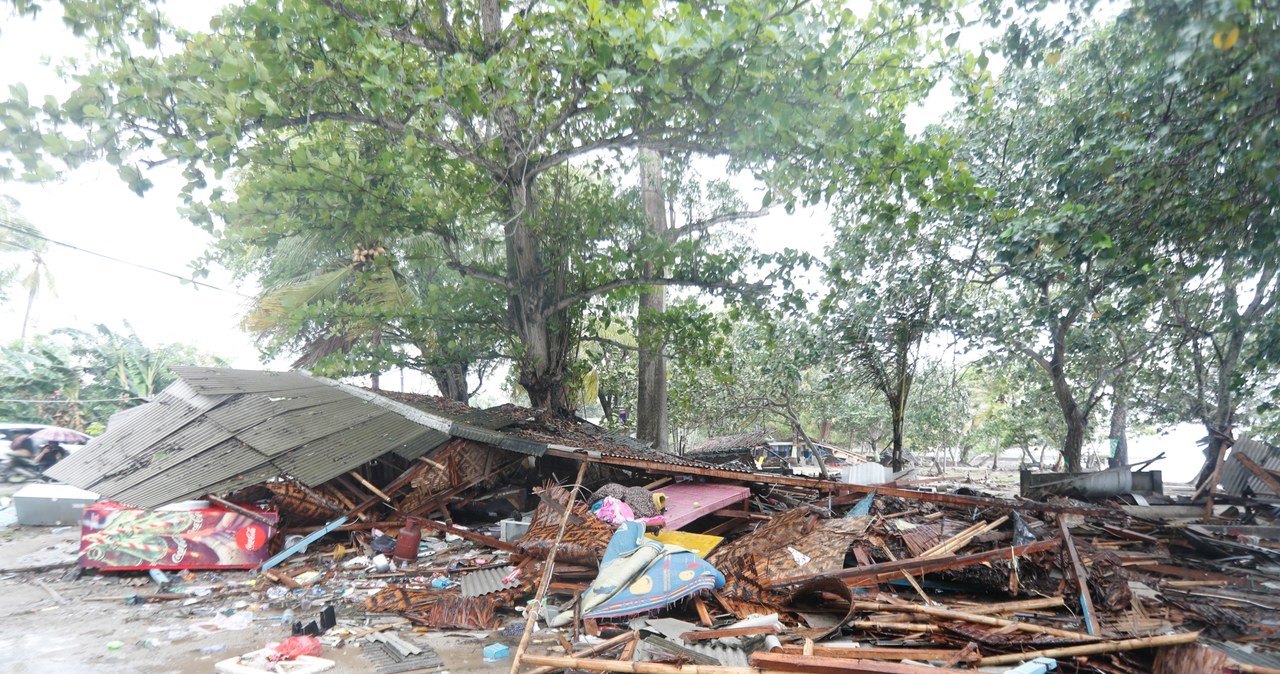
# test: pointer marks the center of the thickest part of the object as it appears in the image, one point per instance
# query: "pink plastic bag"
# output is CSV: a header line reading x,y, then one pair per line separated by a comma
x,y
292,647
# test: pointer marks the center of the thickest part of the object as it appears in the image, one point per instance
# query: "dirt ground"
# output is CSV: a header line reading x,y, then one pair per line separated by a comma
x,y
55,620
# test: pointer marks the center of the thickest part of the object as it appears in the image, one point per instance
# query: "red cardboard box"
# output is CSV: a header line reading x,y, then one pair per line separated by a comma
x,y
116,536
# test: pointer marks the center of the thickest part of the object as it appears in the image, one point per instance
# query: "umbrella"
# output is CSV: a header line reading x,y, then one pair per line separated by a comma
x,y
60,435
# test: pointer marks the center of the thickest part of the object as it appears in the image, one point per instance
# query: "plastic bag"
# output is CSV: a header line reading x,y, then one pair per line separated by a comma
x,y
291,648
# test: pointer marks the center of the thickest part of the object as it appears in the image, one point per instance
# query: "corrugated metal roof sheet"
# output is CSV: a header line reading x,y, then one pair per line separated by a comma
x,y
215,380
1235,476
738,441
218,429
486,581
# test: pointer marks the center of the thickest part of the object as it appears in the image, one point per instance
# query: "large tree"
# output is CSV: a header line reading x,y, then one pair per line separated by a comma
x,y
1155,137
473,108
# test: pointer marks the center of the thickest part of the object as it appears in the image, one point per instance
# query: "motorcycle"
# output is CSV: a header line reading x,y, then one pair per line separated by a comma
x,y
18,468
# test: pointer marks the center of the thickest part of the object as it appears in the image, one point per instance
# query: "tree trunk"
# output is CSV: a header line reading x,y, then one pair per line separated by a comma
x,y
898,421
1119,422
452,382
651,399
1073,444
824,430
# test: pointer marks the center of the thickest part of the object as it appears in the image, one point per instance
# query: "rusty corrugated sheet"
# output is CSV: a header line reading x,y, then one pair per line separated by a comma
x,y
736,442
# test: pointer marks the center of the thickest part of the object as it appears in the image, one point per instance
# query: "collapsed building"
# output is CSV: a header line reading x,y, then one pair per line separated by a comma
x,y
670,564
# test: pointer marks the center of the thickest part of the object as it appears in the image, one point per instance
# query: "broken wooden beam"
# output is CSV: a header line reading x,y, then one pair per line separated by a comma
x,y
703,635
256,517
1261,473
1082,578
863,576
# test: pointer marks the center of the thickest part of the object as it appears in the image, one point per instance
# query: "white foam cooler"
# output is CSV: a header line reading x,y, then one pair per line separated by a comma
x,y
51,505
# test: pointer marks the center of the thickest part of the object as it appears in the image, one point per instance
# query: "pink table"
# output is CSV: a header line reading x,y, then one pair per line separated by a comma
x,y
689,501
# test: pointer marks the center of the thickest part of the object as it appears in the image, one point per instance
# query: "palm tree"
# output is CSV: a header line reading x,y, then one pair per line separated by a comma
x,y
16,234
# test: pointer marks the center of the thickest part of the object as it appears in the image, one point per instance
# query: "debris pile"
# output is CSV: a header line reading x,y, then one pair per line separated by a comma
x,y
660,564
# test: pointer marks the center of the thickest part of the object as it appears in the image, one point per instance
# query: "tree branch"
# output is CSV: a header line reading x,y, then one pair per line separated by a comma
x,y
401,35
677,233
603,288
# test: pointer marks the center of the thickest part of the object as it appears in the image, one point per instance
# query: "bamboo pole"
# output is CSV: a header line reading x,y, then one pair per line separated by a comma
x,y
972,618
962,539
1014,606
901,627
548,569
602,647
1093,649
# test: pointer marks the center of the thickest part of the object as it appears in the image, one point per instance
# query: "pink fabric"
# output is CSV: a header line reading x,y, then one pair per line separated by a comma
x,y
614,511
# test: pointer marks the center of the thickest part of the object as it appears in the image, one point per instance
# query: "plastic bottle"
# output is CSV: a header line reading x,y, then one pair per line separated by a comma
x,y
286,618
213,648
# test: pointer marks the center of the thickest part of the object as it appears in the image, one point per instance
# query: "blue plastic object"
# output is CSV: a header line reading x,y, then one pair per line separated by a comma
x,y
496,651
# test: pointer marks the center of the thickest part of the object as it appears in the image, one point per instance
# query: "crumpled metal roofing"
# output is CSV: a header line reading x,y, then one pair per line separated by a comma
x,y
218,429
1235,477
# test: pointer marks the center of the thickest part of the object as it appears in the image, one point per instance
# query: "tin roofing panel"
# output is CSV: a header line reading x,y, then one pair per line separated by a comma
x,y
486,581
225,380
1235,477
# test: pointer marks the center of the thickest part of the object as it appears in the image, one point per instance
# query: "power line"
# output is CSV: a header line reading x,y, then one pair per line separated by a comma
x,y
35,234
68,401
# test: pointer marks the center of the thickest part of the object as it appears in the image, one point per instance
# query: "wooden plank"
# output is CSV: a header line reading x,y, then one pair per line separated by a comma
x,y
1261,473
814,664
703,635
704,615
256,517
863,576
742,514
1082,578
1129,534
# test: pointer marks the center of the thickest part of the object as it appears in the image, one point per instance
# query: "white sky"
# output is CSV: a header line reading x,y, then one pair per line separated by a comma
x,y
94,210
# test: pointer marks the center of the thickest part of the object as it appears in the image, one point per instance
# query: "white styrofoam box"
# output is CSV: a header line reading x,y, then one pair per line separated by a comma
x,y
51,505
512,529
